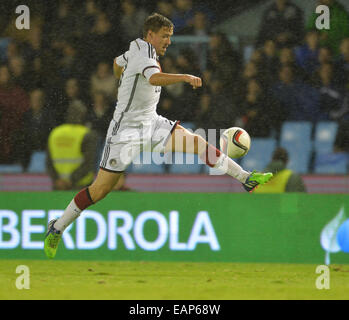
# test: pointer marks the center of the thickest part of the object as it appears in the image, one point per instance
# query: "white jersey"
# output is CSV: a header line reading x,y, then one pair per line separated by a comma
x,y
137,98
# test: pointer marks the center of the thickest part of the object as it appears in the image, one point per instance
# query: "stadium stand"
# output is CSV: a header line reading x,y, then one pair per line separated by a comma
x,y
331,163
148,163
325,135
296,139
11,168
37,162
260,154
191,164
45,44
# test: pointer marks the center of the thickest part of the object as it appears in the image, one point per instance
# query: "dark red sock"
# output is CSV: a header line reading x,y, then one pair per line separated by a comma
x,y
210,155
83,199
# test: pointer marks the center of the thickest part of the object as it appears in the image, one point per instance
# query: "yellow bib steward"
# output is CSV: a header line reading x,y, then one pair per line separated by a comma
x,y
277,184
64,145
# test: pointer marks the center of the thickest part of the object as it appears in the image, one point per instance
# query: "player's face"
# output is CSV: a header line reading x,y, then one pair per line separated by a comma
x,y
161,39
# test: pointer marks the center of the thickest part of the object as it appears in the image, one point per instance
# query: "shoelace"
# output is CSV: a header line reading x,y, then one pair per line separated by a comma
x,y
251,183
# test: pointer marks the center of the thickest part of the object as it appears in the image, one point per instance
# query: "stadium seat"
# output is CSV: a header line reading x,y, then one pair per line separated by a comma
x,y
299,160
148,162
331,163
3,48
295,135
11,168
325,135
259,155
247,52
296,139
37,162
184,163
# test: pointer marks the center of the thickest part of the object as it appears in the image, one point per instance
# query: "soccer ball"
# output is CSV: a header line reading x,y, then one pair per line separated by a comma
x,y
235,142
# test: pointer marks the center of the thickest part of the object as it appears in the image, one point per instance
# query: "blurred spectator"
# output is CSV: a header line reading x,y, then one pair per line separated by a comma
x,y
342,64
256,57
14,103
287,58
200,25
283,23
71,94
33,47
343,112
187,63
269,65
104,81
339,25
170,95
72,90
259,113
341,143
40,73
325,55
204,112
102,43
165,8
72,151
249,72
64,24
223,61
216,109
20,75
299,99
132,20
5,15
169,65
307,55
183,15
331,97
12,51
70,65
88,17
99,117
37,123
284,180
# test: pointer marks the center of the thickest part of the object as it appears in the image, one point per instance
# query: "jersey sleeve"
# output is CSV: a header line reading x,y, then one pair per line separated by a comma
x,y
142,59
147,67
122,59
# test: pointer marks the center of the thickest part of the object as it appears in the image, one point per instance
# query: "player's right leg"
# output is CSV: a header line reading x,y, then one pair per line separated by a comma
x,y
103,184
185,141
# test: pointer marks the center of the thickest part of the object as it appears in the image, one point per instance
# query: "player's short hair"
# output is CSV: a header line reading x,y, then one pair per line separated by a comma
x,y
155,22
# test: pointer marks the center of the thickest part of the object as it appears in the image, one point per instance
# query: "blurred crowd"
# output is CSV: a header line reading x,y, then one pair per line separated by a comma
x,y
295,71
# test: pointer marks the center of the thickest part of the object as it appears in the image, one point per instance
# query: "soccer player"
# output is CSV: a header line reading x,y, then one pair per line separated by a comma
x,y
136,126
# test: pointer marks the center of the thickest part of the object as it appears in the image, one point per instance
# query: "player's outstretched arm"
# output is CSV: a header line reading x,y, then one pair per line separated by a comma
x,y
165,79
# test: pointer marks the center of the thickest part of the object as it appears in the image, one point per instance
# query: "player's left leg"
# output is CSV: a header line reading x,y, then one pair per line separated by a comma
x,y
185,141
102,185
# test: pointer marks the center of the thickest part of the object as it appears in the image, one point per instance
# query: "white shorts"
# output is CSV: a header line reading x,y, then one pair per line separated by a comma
x,y
126,139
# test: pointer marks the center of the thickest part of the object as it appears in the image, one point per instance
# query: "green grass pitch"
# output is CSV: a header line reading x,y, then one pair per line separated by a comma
x,y
170,281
